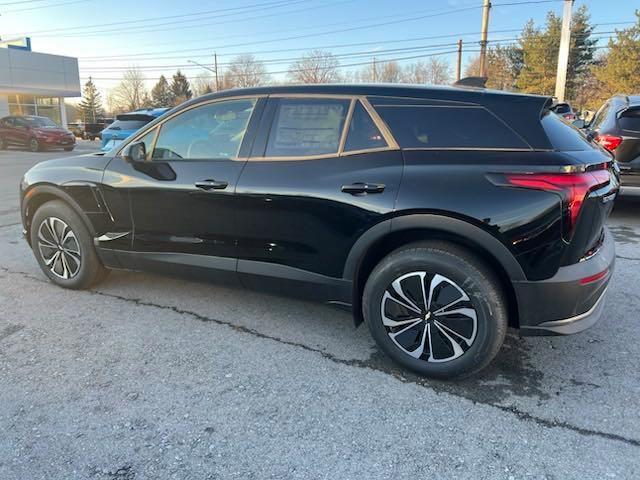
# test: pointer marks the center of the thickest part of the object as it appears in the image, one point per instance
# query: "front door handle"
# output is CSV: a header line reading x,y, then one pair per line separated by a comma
x,y
212,185
361,188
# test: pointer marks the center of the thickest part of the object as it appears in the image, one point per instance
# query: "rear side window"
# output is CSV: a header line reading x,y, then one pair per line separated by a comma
x,y
563,137
630,120
423,126
307,126
363,134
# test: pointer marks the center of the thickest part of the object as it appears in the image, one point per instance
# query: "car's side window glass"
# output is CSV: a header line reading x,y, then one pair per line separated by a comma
x,y
147,139
212,131
307,126
600,116
449,127
363,134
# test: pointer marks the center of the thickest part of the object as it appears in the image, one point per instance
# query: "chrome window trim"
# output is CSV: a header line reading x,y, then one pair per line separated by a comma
x,y
392,145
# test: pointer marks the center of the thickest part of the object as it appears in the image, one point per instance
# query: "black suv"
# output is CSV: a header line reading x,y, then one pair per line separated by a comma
x,y
616,126
439,216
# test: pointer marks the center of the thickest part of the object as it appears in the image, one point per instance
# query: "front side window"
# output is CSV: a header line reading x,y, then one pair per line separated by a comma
x,y
449,127
210,131
363,134
307,126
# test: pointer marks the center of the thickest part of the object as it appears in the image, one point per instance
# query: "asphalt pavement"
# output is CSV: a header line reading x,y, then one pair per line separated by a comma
x,y
150,377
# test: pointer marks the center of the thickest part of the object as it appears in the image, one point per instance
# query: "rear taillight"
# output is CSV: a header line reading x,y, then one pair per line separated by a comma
x,y
572,187
610,142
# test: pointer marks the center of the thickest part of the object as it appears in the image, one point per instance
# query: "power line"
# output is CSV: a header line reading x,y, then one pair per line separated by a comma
x,y
275,61
21,2
130,22
40,7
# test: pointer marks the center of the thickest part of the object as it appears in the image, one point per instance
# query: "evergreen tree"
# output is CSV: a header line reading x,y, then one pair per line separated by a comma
x,y
161,93
91,104
180,88
619,71
539,53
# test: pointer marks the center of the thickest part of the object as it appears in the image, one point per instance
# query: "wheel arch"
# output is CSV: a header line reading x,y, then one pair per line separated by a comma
x,y
394,233
38,195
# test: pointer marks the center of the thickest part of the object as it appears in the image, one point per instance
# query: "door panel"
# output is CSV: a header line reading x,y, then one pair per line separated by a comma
x,y
304,211
295,213
182,201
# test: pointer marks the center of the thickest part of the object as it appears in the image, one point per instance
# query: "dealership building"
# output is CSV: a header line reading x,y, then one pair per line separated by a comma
x,y
36,83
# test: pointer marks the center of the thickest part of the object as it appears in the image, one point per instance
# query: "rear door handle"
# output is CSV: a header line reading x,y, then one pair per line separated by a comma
x,y
212,185
360,188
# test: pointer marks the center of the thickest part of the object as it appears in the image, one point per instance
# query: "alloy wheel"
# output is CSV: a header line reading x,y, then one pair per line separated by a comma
x,y
429,317
34,146
59,248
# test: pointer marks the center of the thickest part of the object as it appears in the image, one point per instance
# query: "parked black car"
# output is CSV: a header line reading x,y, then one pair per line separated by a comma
x,y
616,126
565,111
439,216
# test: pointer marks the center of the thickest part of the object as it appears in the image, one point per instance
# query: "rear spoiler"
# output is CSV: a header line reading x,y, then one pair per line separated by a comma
x,y
474,82
135,116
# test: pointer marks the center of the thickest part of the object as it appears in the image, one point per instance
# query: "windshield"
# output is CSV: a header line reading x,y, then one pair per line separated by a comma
x,y
40,122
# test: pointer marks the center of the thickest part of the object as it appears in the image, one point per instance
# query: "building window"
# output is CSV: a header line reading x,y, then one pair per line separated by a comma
x,y
31,105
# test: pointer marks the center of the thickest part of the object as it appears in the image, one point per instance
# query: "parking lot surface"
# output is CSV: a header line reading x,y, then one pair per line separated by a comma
x,y
149,377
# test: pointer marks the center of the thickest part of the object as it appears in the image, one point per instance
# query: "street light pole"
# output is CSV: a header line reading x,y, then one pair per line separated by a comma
x,y
486,6
563,52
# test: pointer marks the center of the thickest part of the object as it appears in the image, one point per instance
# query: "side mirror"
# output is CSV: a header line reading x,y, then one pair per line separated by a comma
x,y
135,152
579,123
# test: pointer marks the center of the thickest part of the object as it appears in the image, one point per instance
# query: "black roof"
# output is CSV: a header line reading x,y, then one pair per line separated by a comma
x,y
472,95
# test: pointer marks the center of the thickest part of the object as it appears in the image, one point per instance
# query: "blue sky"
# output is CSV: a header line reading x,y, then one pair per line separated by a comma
x,y
159,35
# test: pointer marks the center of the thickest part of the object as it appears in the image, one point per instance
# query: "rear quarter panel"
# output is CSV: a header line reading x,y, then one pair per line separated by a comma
x,y
455,184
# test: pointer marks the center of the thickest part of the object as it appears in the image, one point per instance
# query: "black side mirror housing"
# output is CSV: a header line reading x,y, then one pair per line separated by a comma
x,y
135,152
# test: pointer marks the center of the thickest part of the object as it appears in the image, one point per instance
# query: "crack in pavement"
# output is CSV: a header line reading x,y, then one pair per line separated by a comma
x,y
10,224
628,258
397,374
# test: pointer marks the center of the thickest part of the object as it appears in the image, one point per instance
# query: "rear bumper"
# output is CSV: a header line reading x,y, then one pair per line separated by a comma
x,y
570,301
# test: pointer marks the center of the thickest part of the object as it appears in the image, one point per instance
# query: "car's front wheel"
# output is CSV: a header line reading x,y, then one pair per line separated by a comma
x,y
63,247
436,309
34,145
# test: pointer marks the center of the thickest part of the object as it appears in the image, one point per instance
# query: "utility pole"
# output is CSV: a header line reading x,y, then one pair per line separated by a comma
x,y
486,6
215,69
459,64
563,53
374,71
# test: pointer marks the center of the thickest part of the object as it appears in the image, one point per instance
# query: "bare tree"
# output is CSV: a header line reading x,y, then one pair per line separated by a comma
x,y
381,71
202,84
317,66
245,71
433,71
130,93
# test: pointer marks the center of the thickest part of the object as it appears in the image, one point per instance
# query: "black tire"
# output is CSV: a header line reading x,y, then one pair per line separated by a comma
x,y
3,144
463,272
90,270
34,145
68,149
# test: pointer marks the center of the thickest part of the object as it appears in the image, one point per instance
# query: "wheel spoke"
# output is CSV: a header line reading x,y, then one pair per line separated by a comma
x,y
420,349
53,258
457,349
397,286
395,323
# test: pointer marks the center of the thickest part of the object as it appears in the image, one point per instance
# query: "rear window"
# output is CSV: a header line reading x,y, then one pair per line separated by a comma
x,y
127,124
563,137
429,126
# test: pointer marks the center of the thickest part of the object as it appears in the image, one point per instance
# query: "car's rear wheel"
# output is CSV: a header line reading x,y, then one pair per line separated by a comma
x,y
68,149
436,309
3,144
62,245
34,145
